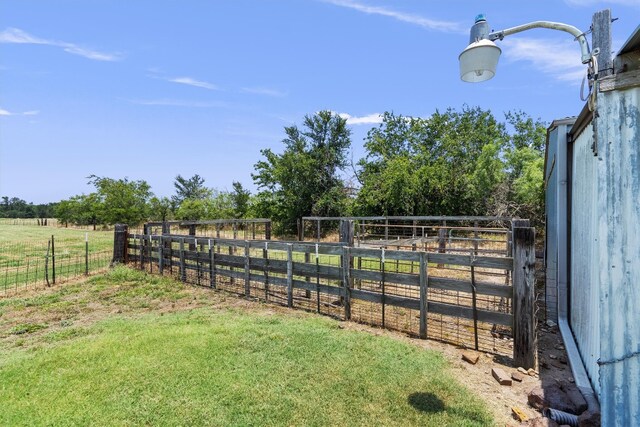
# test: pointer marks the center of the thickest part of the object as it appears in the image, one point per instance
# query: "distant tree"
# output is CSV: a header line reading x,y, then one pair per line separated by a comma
x,y
192,189
240,199
122,201
160,209
304,179
218,206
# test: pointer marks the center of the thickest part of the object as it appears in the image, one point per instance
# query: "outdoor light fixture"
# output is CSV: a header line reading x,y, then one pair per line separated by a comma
x,y
479,60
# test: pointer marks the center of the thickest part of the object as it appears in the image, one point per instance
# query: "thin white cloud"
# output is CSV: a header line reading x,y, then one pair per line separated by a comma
x,y
4,112
178,103
559,59
590,3
428,23
264,91
369,119
193,82
18,36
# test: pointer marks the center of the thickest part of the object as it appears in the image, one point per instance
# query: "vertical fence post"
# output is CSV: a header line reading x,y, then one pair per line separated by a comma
x,y
247,270
53,260
525,346
265,255
161,255
346,280
442,242
120,244
267,230
192,232
86,254
289,275
212,265
183,270
423,295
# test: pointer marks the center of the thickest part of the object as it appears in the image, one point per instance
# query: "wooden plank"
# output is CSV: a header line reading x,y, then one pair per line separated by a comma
x,y
394,278
323,271
325,289
525,346
458,285
620,81
502,263
212,266
423,295
393,300
467,313
391,255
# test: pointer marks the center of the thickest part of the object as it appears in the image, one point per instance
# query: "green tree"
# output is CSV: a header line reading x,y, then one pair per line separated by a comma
x,y
192,188
304,179
121,200
160,209
240,199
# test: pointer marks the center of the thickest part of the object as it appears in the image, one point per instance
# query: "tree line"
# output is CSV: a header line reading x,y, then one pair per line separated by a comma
x,y
454,162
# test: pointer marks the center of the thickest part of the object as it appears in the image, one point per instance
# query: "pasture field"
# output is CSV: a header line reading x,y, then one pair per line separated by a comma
x,y
24,263
129,348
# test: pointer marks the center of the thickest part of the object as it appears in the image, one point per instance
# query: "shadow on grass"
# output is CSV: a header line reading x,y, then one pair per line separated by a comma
x,y
426,402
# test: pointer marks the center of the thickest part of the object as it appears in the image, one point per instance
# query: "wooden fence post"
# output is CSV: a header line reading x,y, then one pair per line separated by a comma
x,y
120,244
192,232
346,280
525,346
212,265
183,269
289,275
423,295
267,230
247,269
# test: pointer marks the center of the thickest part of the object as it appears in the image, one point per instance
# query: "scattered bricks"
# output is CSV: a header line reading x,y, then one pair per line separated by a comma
x,y
470,357
501,376
517,376
536,398
518,414
523,371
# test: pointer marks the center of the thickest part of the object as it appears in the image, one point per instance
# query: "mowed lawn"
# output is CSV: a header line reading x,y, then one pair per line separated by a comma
x,y
126,348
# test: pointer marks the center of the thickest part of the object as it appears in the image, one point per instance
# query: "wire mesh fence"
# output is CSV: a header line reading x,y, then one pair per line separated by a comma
x,y
33,263
456,298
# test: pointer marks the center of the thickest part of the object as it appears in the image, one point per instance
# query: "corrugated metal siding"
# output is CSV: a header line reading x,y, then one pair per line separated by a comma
x,y
583,304
551,232
619,263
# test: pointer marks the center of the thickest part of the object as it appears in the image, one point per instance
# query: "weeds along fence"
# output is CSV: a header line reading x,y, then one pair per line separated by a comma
x,y
36,264
395,289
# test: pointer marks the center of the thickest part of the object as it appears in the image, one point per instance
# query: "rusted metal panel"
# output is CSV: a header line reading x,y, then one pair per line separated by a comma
x,y
619,258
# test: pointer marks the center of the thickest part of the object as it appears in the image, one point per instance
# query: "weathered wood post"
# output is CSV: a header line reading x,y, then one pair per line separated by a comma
x,y
525,345
192,232
120,244
442,242
423,294
289,275
168,247
247,270
346,237
267,230
346,280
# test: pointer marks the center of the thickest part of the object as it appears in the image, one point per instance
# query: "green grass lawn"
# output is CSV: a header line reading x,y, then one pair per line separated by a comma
x,y
126,348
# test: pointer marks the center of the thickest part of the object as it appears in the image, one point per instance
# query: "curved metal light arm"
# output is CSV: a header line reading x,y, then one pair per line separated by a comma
x,y
579,35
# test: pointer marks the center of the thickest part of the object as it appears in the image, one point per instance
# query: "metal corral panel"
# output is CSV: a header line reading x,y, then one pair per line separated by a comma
x,y
619,258
584,298
551,232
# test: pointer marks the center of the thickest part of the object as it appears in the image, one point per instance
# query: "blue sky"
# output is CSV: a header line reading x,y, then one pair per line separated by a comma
x,y
151,89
